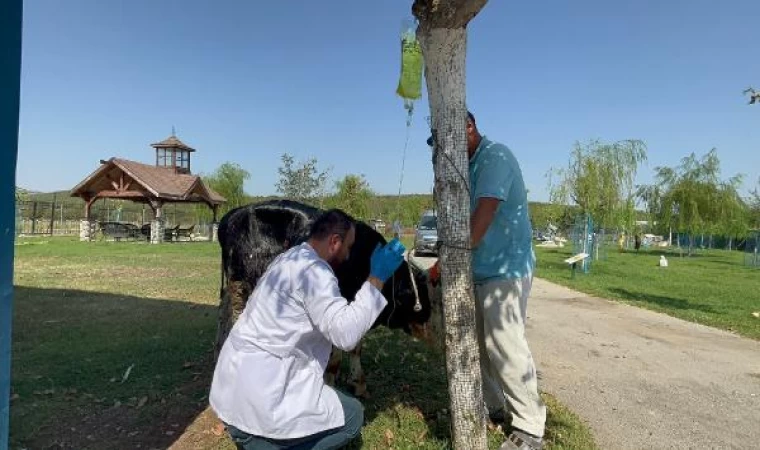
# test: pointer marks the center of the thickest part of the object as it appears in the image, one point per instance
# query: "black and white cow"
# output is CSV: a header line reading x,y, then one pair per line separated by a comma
x,y
253,235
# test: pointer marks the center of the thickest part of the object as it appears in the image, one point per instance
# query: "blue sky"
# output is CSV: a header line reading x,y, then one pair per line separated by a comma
x,y
247,81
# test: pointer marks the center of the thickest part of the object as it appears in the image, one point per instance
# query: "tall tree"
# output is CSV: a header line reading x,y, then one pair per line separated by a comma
x,y
732,211
694,198
650,199
354,196
754,206
228,180
302,181
599,179
443,38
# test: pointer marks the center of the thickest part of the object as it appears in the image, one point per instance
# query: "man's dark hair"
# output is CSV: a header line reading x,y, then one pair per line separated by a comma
x,y
470,117
333,221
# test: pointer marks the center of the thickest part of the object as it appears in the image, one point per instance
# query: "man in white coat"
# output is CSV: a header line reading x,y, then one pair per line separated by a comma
x,y
268,383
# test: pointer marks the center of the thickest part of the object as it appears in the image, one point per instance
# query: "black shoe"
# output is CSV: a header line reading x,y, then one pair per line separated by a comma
x,y
498,417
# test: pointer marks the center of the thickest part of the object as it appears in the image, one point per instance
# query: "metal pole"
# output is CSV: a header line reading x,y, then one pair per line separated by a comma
x,y
52,215
34,216
10,73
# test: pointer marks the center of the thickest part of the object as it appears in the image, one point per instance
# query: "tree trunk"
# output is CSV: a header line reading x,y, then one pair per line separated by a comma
x,y
444,50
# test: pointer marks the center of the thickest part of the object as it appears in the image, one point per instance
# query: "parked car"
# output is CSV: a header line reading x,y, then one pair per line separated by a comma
x,y
426,236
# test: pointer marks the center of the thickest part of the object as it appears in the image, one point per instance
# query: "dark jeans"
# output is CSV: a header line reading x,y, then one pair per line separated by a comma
x,y
326,440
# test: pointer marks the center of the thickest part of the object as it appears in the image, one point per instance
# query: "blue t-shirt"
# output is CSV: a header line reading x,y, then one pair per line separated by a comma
x,y
506,250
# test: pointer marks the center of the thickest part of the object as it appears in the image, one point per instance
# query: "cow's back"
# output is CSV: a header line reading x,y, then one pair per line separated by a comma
x,y
250,237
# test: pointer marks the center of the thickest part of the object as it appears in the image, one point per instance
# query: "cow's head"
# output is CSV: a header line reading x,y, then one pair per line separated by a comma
x,y
408,301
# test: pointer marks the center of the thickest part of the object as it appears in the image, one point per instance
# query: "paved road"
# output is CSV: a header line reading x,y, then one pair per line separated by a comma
x,y
644,380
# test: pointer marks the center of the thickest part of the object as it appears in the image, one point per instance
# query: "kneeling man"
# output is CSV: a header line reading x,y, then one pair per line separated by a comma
x,y
268,383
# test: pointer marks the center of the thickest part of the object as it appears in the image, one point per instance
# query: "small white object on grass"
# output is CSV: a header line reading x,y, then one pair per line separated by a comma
x,y
756,314
126,374
663,261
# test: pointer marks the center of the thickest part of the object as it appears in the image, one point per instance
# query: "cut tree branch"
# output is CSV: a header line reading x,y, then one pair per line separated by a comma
x,y
446,13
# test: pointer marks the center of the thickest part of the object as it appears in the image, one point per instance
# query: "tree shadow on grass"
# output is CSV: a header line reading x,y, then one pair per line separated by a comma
x,y
73,387
96,370
665,302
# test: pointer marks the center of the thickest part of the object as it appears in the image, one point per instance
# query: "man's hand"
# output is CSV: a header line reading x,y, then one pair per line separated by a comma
x,y
386,259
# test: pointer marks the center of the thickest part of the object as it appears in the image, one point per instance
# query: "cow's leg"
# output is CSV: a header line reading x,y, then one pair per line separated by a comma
x,y
357,381
333,367
231,306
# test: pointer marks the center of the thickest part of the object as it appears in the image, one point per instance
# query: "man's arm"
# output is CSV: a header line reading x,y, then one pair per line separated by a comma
x,y
374,281
341,322
481,218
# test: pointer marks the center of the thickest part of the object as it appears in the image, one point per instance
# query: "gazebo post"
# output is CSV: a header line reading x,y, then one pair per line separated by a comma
x,y
214,224
157,225
87,226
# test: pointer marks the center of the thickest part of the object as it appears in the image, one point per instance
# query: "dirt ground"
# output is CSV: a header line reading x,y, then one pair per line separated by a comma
x,y
643,379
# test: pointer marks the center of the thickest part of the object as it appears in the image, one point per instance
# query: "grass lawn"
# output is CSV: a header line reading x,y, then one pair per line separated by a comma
x,y
112,350
712,287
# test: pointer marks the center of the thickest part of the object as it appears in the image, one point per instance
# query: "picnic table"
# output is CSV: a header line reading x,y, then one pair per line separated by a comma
x,y
119,230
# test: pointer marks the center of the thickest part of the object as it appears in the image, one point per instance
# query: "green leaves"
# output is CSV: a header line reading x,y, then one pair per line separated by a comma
x,y
695,200
228,180
354,196
599,179
301,181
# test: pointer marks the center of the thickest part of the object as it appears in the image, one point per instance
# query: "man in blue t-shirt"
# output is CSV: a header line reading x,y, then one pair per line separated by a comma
x,y
502,263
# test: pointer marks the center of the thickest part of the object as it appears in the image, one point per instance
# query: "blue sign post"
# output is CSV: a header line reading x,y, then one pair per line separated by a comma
x,y
10,78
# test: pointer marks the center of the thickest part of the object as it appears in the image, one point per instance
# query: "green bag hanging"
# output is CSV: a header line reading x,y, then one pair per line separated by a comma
x,y
410,81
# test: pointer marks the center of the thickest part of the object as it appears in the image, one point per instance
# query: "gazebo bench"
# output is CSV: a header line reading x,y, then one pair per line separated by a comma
x,y
184,232
119,230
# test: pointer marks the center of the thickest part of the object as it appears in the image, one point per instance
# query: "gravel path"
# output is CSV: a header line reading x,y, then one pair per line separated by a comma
x,y
642,379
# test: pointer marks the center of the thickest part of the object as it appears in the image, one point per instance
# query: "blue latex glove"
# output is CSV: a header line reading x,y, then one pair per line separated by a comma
x,y
386,259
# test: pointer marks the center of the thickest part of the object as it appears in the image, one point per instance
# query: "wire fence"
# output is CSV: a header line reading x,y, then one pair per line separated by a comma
x,y
63,217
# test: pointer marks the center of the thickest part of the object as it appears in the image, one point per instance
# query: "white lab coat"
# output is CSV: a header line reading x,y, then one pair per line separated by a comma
x,y
268,380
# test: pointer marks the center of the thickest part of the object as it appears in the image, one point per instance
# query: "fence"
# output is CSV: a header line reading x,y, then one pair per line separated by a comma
x,y
62,217
752,249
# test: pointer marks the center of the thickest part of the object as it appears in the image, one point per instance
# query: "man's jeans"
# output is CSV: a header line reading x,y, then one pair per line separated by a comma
x,y
326,440
509,373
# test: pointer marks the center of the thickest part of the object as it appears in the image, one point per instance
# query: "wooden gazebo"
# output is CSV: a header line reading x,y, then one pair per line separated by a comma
x,y
168,181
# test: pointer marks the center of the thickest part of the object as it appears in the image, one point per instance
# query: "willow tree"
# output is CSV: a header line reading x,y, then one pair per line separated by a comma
x,y
599,179
443,37
695,201
754,204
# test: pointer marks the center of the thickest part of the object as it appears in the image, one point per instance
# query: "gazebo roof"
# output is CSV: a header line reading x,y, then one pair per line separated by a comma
x,y
122,178
172,142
